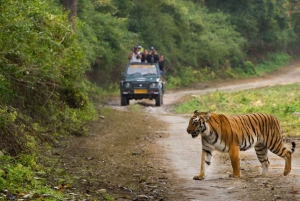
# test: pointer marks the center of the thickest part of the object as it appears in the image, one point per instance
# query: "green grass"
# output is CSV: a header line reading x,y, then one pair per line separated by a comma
x,y
273,62
281,101
18,177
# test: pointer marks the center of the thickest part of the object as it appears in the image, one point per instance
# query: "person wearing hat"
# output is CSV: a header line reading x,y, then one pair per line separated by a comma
x,y
135,54
152,57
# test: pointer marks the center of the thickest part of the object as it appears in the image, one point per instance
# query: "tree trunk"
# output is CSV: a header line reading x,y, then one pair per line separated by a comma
x,y
71,6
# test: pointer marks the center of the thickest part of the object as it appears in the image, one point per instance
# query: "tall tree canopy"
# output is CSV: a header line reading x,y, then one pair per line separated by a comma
x,y
265,23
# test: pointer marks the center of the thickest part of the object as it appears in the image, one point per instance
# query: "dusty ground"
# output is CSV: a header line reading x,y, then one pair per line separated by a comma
x,y
162,164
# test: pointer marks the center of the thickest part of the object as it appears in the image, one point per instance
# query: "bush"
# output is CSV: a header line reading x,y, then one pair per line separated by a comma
x,y
43,82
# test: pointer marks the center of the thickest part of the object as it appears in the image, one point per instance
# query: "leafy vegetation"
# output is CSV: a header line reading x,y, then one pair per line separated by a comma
x,y
53,69
273,62
189,75
18,176
282,101
44,91
264,23
216,39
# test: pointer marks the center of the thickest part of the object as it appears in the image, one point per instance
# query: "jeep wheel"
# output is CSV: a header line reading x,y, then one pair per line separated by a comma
x,y
158,100
124,100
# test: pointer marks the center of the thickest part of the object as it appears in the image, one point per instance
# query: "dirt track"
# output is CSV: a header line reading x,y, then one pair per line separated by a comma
x,y
181,153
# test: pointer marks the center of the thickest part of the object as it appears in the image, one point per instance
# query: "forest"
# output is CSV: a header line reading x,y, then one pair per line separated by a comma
x,y
56,56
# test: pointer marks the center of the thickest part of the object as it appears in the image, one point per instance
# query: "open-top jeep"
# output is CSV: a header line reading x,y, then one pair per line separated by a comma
x,y
142,81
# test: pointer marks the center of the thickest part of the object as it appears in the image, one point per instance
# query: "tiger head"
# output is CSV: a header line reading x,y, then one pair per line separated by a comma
x,y
197,124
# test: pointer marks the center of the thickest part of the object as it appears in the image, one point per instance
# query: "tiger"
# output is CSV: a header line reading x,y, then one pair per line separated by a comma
x,y
232,134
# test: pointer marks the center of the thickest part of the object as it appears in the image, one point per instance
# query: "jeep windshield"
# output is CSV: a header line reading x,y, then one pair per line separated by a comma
x,y
142,69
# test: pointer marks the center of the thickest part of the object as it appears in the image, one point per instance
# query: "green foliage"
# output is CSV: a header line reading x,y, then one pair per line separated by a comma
x,y
188,76
265,24
295,25
282,101
230,73
249,68
19,176
15,131
273,62
186,32
104,39
173,82
44,91
42,67
220,43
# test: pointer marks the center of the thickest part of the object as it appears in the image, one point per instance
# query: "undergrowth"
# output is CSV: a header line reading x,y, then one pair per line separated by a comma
x,y
189,76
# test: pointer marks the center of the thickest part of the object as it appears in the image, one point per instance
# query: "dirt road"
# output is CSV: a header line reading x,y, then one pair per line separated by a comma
x,y
181,153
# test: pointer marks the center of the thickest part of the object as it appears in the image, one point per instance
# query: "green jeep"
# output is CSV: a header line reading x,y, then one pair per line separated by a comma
x,y
142,81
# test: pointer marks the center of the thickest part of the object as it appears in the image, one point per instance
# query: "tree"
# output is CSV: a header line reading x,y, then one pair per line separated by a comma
x,y
294,12
264,23
71,6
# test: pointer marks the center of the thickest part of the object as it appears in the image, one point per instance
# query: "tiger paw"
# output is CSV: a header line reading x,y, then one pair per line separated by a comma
x,y
198,178
286,172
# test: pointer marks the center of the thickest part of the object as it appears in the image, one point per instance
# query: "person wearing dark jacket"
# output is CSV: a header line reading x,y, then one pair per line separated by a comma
x,y
161,64
152,57
144,56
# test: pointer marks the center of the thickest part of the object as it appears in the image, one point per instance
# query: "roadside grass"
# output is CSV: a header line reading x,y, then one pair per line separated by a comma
x,y
21,178
281,101
188,76
273,62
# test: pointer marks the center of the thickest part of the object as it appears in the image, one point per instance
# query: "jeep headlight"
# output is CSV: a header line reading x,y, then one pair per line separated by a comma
x,y
127,85
153,85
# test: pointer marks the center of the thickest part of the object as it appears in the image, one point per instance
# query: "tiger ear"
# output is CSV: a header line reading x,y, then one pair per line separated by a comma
x,y
196,112
207,116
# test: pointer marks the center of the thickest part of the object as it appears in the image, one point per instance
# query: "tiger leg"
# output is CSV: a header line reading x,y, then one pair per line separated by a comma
x,y
262,155
284,153
234,154
287,155
205,162
288,160
288,163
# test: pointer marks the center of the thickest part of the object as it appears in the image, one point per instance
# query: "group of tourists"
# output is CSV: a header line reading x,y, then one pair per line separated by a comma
x,y
151,56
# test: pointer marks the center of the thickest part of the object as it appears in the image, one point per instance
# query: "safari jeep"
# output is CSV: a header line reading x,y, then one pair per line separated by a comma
x,y
141,81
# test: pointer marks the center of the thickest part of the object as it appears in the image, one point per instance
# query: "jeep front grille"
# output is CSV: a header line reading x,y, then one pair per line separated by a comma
x,y
140,85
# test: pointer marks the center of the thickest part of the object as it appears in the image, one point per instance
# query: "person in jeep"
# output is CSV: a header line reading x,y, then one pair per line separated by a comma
x,y
135,54
152,57
161,64
144,56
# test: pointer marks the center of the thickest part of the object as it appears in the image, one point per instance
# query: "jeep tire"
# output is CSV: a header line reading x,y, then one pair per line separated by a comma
x,y
158,100
124,100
